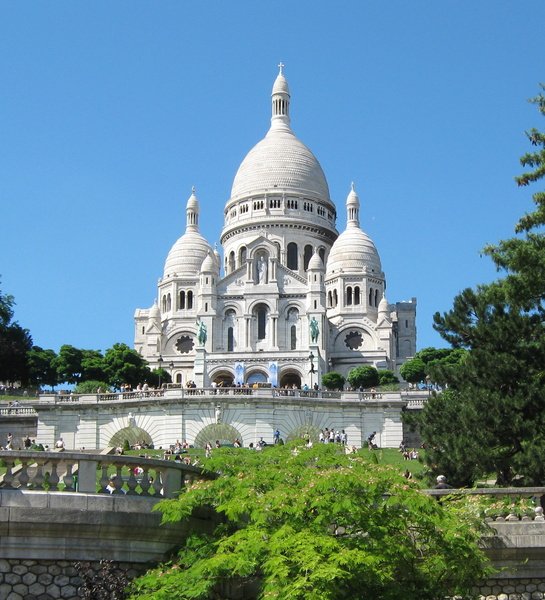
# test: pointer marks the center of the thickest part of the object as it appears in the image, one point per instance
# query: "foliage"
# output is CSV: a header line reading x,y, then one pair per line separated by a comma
x,y
41,364
125,365
68,364
333,381
386,377
494,418
91,387
315,523
413,370
364,376
15,342
93,366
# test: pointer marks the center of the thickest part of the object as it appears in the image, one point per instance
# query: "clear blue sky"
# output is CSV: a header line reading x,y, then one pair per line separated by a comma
x,y
111,111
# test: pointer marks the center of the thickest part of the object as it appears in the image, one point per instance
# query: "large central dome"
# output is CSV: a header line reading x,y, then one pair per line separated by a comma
x,y
280,161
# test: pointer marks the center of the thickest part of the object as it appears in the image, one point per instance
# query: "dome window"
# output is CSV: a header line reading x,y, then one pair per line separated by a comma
x,y
230,339
181,300
348,296
189,300
357,295
309,251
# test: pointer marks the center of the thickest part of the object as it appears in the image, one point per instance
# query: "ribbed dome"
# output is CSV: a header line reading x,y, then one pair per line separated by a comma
x,y
209,265
315,263
353,250
186,256
280,161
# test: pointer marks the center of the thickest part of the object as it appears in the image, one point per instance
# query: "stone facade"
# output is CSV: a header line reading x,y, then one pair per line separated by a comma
x,y
292,298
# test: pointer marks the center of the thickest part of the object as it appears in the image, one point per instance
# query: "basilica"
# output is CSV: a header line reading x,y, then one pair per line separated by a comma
x,y
291,299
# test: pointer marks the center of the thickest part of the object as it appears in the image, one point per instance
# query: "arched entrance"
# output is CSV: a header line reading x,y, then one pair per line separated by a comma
x,y
223,378
133,435
290,379
225,434
304,432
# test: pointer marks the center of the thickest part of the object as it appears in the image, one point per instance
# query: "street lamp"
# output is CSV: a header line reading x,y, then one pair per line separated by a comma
x,y
171,365
160,361
311,359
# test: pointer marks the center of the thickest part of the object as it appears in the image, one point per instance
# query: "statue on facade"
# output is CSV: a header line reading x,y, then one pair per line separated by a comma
x,y
201,334
262,270
314,330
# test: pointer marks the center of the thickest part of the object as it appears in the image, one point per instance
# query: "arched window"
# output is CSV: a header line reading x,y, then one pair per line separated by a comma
x,y
189,300
293,337
321,252
371,297
242,255
348,296
143,330
329,299
261,322
181,300
293,262
309,251
231,261
178,378
376,297
230,340
357,295
335,298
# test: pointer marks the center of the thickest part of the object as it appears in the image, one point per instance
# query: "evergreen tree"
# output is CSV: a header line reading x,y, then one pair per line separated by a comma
x,y
493,420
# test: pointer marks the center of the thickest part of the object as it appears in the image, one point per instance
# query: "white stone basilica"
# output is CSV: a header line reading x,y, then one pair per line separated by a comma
x,y
293,299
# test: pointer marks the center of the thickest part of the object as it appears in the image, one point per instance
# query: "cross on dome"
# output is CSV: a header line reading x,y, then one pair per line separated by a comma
x,y
281,65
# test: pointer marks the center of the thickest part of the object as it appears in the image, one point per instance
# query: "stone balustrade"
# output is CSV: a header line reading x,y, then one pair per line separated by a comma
x,y
176,391
91,473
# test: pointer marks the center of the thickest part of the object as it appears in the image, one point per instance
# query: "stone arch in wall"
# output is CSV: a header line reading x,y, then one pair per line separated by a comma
x,y
256,376
133,435
222,377
289,378
225,434
304,432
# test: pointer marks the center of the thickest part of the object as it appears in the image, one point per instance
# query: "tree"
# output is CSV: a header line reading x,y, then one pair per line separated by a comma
x,y
91,386
15,342
493,419
413,370
333,381
68,364
386,377
125,365
93,366
324,525
41,365
364,376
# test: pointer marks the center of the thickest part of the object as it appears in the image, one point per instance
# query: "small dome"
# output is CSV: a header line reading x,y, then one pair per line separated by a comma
x,y
186,256
353,250
209,265
315,263
154,313
383,305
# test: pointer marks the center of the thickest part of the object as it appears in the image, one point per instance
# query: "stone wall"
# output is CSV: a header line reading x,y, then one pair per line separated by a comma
x,y
53,579
512,589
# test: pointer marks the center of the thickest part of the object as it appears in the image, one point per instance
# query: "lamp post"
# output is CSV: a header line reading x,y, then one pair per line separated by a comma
x,y
171,365
311,371
160,362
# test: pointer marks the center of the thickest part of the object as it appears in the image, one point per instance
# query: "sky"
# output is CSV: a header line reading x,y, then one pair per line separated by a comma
x,y
111,111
